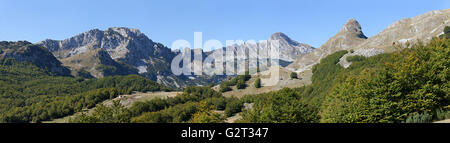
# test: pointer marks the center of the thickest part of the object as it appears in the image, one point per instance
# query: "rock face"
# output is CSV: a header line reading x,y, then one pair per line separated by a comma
x,y
349,36
24,51
129,46
287,51
119,51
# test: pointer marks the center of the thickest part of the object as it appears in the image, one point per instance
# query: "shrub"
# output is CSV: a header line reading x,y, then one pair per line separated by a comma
x,y
218,102
241,84
284,106
258,83
233,106
294,75
355,58
205,114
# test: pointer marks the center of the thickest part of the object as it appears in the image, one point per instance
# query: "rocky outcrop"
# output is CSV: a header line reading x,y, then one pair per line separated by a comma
x,y
124,50
128,45
349,36
24,51
410,30
289,49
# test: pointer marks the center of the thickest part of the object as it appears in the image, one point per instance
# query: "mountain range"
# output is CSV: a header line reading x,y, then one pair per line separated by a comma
x,y
124,51
351,37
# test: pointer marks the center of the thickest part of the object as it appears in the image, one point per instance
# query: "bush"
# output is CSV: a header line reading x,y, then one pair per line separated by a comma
x,y
294,75
218,103
152,117
355,58
446,33
117,113
206,115
258,83
241,84
233,106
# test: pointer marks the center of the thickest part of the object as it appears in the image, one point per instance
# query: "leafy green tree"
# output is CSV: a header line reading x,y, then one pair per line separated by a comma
x,y
233,106
224,88
117,113
206,115
219,103
283,106
241,84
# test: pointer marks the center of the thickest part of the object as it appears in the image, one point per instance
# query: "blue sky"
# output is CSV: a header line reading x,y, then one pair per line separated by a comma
x,y
306,21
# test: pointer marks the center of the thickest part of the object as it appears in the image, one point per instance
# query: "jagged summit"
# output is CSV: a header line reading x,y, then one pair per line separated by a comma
x,y
278,35
350,36
126,32
123,45
24,51
422,27
283,37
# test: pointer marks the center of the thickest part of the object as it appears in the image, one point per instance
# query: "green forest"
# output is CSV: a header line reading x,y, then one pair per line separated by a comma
x,y
32,94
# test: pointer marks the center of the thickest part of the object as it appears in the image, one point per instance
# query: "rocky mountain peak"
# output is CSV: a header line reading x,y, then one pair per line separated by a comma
x,y
23,51
125,32
349,37
278,36
283,38
353,26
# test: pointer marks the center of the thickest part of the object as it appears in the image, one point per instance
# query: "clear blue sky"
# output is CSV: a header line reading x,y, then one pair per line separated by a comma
x,y
307,21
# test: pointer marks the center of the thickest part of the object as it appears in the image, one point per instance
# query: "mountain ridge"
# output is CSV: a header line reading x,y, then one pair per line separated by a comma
x,y
423,27
24,51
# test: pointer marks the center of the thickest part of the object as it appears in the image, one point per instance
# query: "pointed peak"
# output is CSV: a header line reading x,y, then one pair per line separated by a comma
x,y
352,26
279,36
124,29
352,21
